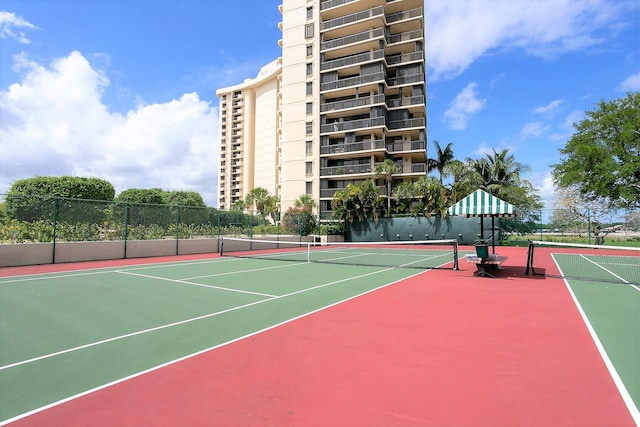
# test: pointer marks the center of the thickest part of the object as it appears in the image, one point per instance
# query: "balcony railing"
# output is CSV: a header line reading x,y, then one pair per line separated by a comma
x,y
351,103
405,101
352,60
333,3
352,125
352,39
409,123
354,17
346,170
366,145
328,193
396,147
415,168
405,37
407,14
352,81
404,58
404,80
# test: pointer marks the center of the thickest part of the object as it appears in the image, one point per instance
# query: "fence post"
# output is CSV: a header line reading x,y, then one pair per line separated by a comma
x,y
126,228
177,230
55,221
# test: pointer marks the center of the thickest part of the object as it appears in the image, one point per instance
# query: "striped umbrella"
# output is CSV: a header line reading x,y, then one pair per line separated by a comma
x,y
482,204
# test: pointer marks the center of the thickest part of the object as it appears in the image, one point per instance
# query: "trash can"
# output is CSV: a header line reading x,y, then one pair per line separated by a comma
x,y
482,250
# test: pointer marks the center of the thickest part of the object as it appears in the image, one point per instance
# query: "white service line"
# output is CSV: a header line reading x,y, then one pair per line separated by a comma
x,y
185,282
181,322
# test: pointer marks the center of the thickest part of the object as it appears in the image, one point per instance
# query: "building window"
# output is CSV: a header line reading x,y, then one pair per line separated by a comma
x,y
310,12
309,107
309,69
309,88
309,148
309,128
308,31
309,50
309,168
309,187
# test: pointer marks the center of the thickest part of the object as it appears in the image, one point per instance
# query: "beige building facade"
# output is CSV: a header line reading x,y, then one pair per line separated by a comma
x,y
348,93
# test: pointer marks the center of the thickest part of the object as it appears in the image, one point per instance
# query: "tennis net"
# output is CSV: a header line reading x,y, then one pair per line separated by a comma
x,y
617,264
424,254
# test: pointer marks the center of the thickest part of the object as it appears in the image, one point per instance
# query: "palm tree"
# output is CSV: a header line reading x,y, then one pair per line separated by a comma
x,y
305,201
263,202
496,171
387,169
358,203
443,158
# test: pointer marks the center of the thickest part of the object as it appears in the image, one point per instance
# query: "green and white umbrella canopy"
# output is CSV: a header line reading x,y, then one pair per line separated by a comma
x,y
482,204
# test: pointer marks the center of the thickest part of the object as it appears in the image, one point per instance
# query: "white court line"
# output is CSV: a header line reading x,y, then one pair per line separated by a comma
x,y
155,368
181,322
622,389
605,269
185,282
103,270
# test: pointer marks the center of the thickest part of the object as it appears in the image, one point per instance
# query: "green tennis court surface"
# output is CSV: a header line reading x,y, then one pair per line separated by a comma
x,y
64,334
611,305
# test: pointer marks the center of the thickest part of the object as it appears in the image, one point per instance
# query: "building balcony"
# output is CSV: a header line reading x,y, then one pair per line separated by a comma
x,y
418,122
406,146
406,101
404,59
406,80
352,60
366,145
352,125
408,36
346,170
334,3
352,82
354,22
351,103
404,15
329,193
353,39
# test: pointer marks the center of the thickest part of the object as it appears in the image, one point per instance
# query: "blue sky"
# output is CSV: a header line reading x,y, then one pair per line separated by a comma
x,y
125,90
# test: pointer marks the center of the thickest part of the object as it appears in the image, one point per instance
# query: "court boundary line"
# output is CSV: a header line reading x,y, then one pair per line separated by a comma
x,y
99,270
171,362
184,321
622,389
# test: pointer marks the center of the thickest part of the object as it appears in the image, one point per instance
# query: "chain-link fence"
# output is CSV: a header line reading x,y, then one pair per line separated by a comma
x,y
572,226
33,219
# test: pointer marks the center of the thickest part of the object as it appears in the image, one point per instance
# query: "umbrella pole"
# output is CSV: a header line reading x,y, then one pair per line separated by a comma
x,y
481,227
493,233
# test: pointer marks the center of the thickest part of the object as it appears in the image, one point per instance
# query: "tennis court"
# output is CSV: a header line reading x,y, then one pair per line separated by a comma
x,y
240,341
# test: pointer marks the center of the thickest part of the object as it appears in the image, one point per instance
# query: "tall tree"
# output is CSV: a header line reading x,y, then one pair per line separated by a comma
x,y
387,169
602,158
358,203
263,202
444,156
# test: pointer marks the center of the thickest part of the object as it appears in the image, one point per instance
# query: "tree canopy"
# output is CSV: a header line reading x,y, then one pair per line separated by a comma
x,y
602,158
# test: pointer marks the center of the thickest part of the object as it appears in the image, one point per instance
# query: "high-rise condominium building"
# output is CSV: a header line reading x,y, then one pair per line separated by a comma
x,y
347,93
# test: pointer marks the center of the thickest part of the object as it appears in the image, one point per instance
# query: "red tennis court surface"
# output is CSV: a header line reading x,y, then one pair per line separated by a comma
x,y
443,349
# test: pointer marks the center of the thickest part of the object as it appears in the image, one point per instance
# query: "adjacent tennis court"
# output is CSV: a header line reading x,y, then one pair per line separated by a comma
x,y
235,341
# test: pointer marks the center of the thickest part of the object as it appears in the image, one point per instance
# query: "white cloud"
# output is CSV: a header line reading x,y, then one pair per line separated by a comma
x,y
631,83
461,31
543,183
549,109
10,23
55,123
465,104
533,129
